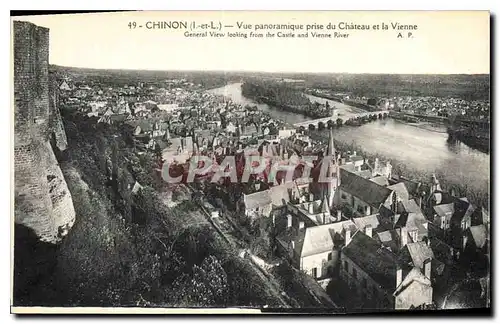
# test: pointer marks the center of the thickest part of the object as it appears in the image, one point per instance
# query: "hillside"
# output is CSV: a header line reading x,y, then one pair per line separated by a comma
x,y
125,248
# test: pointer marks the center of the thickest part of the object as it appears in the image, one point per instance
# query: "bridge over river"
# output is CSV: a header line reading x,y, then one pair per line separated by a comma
x,y
334,118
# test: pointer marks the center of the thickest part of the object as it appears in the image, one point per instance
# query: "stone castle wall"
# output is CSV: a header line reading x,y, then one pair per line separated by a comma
x,y
42,199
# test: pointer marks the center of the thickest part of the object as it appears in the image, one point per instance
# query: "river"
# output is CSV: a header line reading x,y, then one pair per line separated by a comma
x,y
417,148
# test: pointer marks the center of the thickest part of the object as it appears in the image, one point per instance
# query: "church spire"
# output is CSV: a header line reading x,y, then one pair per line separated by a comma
x,y
330,151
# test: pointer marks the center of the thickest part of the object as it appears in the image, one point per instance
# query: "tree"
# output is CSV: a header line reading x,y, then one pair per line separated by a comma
x,y
330,124
208,285
339,122
312,127
321,126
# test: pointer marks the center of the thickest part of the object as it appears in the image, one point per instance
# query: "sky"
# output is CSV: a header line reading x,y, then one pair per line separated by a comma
x,y
450,42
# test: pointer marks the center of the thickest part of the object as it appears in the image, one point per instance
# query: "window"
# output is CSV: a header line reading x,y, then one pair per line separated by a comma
x,y
330,256
346,266
344,196
354,273
315,272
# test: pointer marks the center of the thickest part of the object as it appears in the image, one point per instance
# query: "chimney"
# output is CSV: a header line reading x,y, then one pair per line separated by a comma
x,y
347,236
368,230
368,211
289,221
427,268
399,276
404,237
301,225
311,196
339,215
311,208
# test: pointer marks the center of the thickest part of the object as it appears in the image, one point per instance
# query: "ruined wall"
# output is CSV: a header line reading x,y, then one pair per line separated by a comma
x,y
42,199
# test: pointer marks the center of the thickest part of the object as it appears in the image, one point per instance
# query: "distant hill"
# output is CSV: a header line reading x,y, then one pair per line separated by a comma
x,y
466,86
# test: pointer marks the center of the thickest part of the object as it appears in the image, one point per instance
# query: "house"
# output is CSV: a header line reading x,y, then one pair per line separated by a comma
x,y
453,216
379,279
416,254
366,174
363,196
414,223
355,160
314,250
261,203
257,204
400,191
285,133
65,86
476,239
381,169
314,212
412,187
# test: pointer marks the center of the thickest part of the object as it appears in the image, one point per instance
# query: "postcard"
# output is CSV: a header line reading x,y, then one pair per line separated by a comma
x,y
262,162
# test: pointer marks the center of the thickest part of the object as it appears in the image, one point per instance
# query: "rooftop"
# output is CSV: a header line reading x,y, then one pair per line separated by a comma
x,y
366,190
378,262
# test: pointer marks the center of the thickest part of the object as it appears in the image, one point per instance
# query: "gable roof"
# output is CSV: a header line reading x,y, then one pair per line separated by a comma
x,y
280,194
257,199
479,235
361,222
401,191
419,252
380,180
409,206
411,186
445,210
319,239
364,189
412,221
378,262
389,238
414,276
463,210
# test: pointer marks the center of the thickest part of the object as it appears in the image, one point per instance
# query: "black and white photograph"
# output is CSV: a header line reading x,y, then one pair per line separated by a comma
x,y
333,162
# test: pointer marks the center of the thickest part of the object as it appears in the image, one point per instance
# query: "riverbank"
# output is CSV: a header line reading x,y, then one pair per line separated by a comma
x,y
411,148
426,125
475,195
478,141
285,99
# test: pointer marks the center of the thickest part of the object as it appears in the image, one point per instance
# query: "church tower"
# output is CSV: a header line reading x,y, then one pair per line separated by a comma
x,y
333,171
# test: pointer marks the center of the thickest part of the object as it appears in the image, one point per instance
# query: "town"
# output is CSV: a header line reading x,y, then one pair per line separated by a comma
x,y
372,239
305,192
